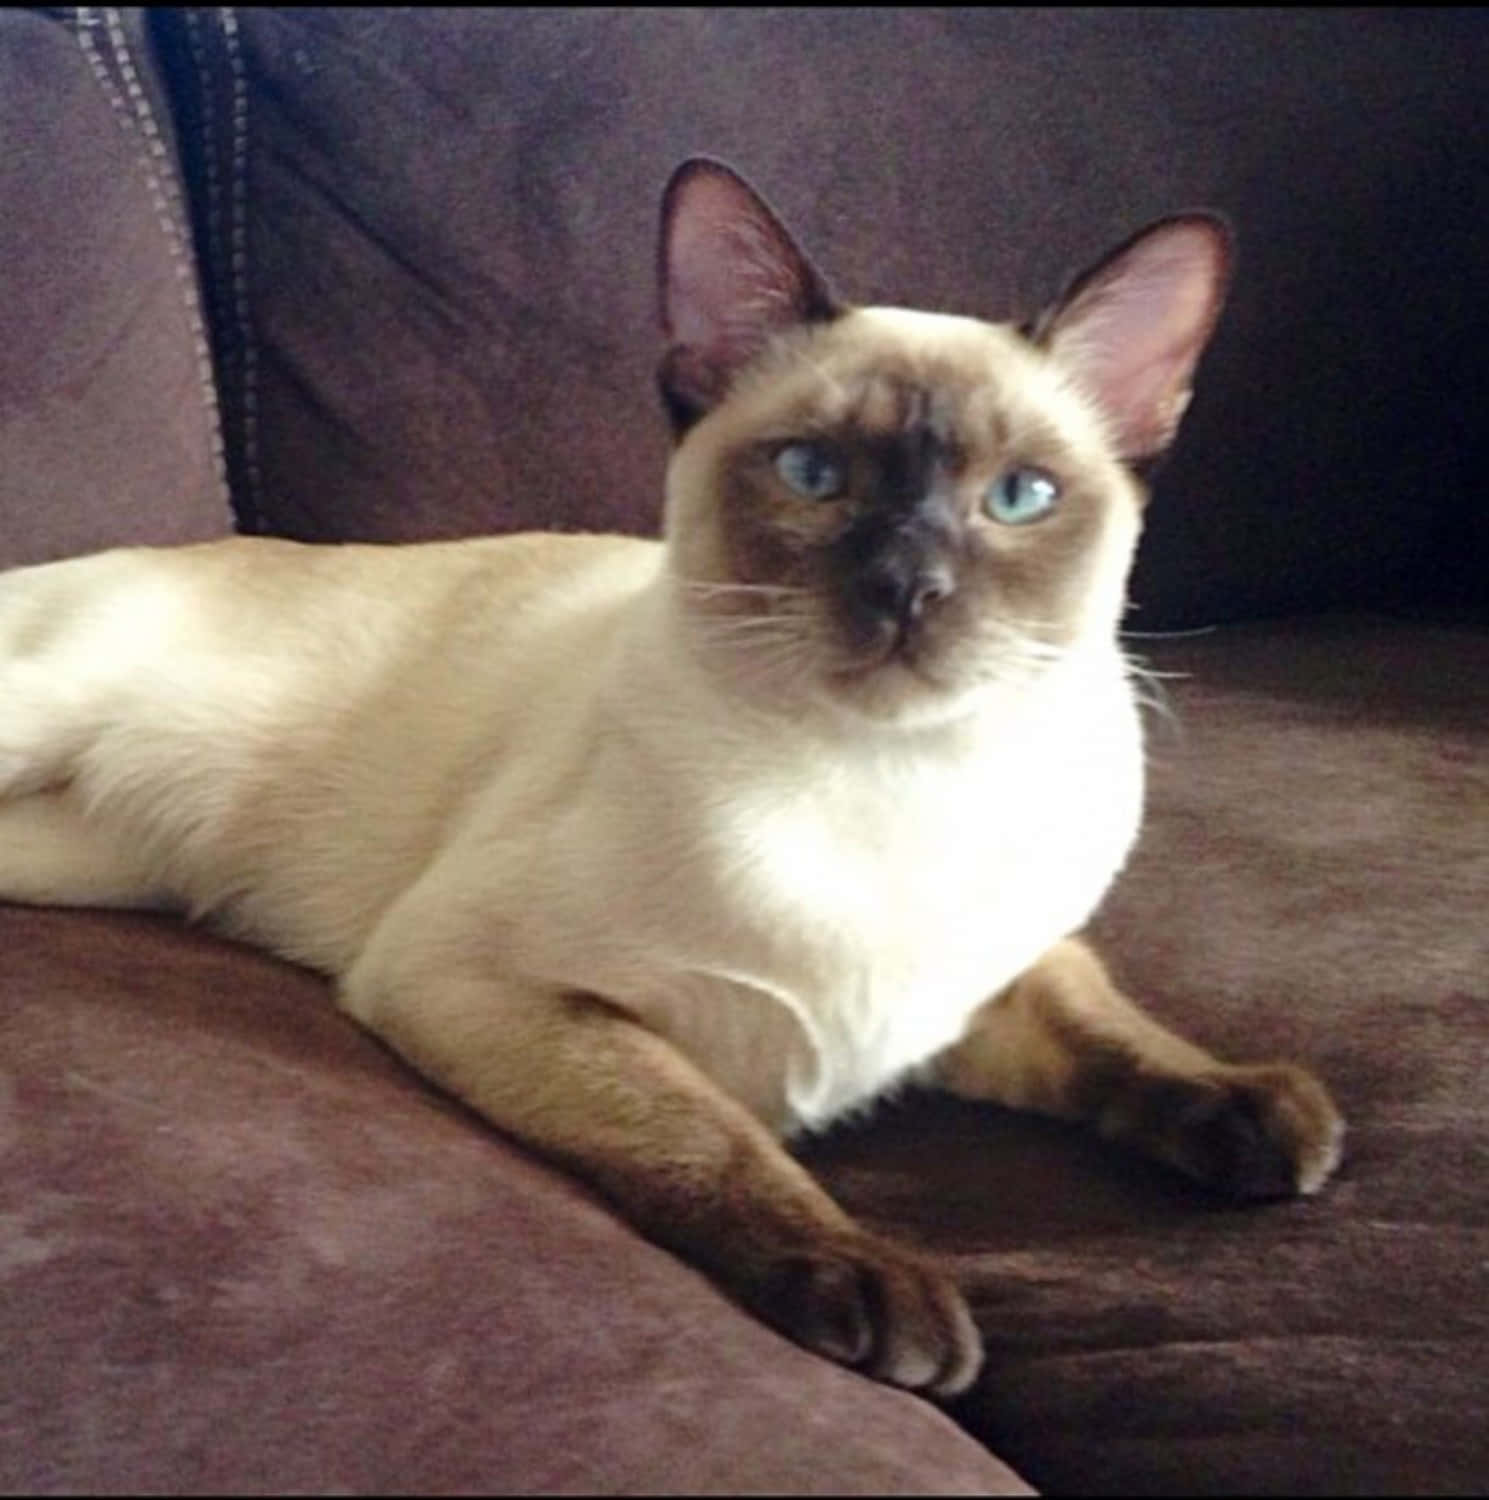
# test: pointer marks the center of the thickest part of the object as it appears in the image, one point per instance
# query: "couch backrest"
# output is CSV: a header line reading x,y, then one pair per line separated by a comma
x,y
108,430
427,242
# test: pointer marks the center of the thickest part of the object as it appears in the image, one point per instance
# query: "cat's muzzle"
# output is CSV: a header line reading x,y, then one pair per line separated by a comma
x,y
891,596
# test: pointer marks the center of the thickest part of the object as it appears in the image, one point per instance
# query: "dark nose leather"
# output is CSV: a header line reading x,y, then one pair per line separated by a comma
x,y
899,584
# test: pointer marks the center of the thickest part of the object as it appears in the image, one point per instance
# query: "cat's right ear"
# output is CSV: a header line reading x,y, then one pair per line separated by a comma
x,y
730,277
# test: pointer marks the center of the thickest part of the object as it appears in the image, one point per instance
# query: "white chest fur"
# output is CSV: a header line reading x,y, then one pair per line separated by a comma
x,y
810,921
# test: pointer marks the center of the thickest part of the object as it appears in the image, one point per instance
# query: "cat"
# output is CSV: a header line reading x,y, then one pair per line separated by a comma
x,y
658,853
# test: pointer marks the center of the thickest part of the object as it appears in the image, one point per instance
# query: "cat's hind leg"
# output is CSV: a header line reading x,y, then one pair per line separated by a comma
x,y
41,729
52,854
47,694
1063,1040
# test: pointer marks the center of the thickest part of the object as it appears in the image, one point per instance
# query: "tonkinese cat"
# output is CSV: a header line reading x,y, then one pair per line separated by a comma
x,y
656,852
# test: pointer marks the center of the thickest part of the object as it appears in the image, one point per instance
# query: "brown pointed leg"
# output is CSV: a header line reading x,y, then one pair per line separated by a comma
x,y
1063,1040
689,1166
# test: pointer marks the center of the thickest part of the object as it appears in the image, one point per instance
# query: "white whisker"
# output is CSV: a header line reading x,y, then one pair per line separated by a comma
x,y
1148,689
702,589
1166,635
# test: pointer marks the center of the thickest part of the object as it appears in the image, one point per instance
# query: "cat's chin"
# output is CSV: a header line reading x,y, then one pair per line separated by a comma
x,y
897,692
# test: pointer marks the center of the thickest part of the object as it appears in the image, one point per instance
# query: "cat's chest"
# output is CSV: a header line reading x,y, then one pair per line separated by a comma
x,y
827,932
906,922
889,874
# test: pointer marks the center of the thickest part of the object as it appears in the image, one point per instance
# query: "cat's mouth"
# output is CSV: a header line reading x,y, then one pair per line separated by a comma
x,y
900,649
928,670
782,635
904,646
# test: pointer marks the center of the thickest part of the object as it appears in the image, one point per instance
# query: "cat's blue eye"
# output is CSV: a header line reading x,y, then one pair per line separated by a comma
x,y
810,470
1018,496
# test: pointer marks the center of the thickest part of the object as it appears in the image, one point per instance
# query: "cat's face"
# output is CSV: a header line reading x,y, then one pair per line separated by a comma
x,y
891,511
894,509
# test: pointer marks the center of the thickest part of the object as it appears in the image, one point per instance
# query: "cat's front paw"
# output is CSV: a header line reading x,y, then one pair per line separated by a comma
x,y
1262,1131
877,1308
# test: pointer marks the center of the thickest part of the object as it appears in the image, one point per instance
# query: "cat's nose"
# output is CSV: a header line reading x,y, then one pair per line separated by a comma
x,y
899,589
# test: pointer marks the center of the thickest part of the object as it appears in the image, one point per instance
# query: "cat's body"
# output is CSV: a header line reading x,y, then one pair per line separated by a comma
x,y
279,752
653,851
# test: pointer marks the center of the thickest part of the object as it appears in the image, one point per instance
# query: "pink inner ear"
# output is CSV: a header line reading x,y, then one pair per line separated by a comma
x,y
731,274
1134,330
727,286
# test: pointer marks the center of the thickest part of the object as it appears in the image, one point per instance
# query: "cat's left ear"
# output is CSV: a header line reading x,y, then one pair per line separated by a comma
x,y
730,277
1131,330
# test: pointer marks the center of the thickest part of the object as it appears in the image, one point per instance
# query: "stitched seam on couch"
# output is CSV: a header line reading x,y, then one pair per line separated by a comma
x,y
238,262
211,172
214,156
137,120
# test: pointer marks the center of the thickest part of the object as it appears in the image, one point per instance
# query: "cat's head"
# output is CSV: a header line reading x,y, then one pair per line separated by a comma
x,y
891,511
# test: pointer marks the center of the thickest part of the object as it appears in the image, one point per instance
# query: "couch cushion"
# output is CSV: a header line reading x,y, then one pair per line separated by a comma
x,y
107,414
451,224
243,1249
1311,884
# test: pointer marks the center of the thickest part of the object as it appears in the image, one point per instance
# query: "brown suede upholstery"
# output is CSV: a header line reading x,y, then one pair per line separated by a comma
x,y
108,425
242,1248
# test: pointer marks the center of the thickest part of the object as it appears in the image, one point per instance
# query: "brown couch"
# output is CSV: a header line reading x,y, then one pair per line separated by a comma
x,y
386,274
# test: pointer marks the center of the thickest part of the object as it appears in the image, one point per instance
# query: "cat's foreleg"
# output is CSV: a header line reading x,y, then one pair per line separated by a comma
x,y
691,1168
1064,1041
